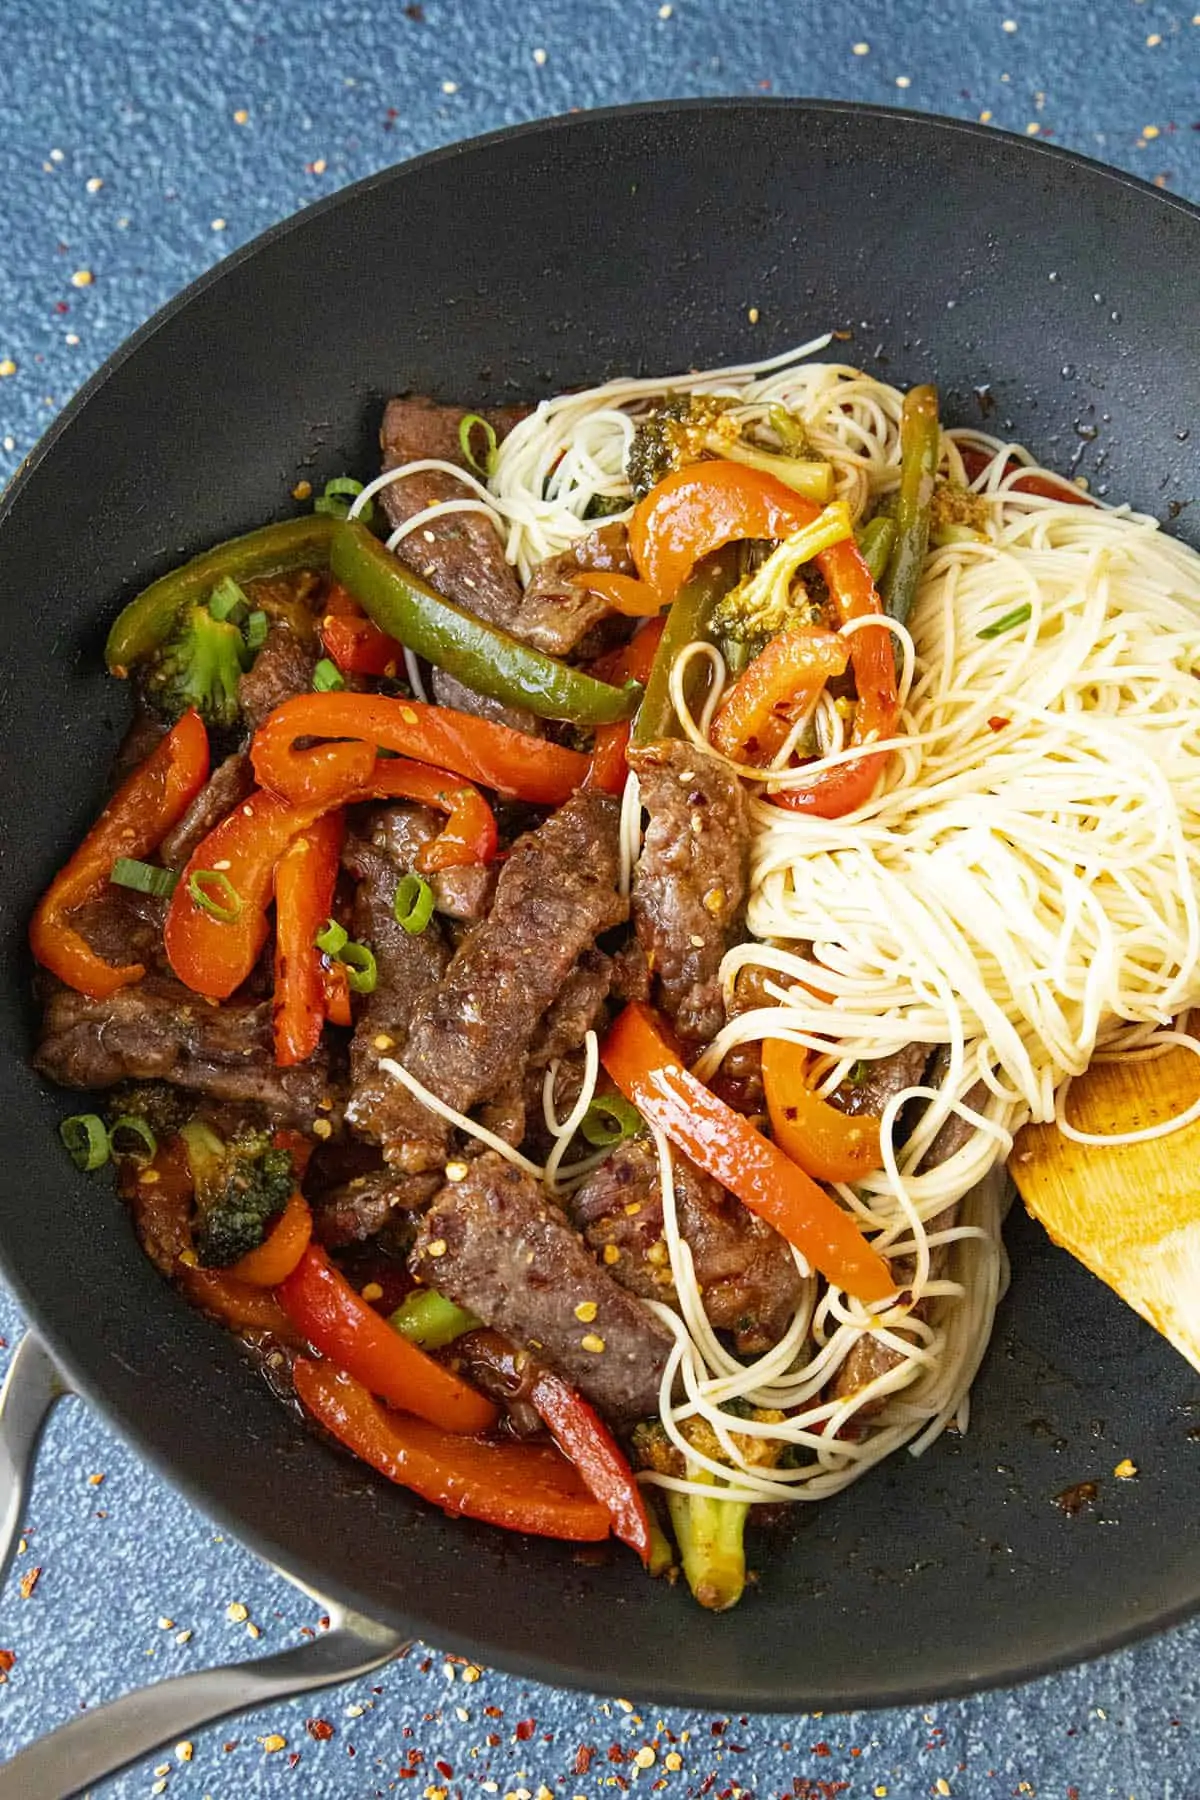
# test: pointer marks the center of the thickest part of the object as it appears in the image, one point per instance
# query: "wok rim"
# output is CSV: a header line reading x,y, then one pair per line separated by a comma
x,y
1002,1670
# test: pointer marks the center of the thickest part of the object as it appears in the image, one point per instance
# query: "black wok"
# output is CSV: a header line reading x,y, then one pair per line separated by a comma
x,y
1069,297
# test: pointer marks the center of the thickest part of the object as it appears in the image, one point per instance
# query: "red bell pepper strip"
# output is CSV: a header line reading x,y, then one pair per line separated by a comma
x,y
631,661
275,1258
321,1303
305,877
699,508
337,993
356,643
763,704
470,834
133,824
515,765
1049,487
583,1437
640,1059
827,1144
522,1487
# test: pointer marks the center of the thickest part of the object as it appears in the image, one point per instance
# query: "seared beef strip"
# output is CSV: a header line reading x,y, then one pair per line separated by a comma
x,y
407,967
448,690
282,669
470,1035
228,784
690,881
123,926
158,1030
504,1373
746,1272
494,1243
554,608
461,554
882,1079
362,1206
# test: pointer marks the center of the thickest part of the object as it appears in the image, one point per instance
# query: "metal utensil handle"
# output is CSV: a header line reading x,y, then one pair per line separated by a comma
x,y
105,1740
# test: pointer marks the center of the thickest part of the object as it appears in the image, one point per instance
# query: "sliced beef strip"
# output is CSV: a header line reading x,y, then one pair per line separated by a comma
x,y
464,893
470,1035
282,669
690,882
461,554
228,784
579,1008
361,1208
554,608
746,1272
448,690
868,1358
146,731
882,1080
495,1244
123,926
158,1030
502,1371
407,967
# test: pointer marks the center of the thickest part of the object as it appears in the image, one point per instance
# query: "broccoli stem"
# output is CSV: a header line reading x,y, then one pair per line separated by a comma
x,y
427,1318
709,1534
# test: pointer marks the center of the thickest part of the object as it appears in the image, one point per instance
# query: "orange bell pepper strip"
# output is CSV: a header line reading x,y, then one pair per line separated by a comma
x,y
583,1437
470,834
238,1305
624,593
321,1303
696,510
827,1144
133,824
631,661
305,877
763,704
640,1059
337,993
275,1258
515,765
521,1487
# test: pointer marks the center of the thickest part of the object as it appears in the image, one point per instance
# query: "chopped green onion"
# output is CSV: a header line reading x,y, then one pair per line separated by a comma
x,y
467,424
143,877
859,1073
332,938
339,496
413,904
147,1142
1020,615
255,630
224,903
226,598
85,1140
609,1119
361,972
427,1318
326,677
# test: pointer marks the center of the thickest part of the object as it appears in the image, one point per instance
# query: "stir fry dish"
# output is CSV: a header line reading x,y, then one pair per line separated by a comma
x,y
580,919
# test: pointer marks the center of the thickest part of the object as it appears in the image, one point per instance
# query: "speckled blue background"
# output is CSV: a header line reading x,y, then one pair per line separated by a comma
x,y
140,140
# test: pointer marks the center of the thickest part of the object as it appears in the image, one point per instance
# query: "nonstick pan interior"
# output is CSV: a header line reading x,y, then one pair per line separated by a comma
x,y
1064,299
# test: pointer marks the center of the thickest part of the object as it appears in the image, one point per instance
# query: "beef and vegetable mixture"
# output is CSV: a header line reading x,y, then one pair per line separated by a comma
x,y
386,979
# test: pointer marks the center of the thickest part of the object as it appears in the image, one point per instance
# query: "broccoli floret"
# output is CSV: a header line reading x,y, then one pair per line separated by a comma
x,y
708,1531
164,1108
680,431
957,515
753,611
240,1186
199,666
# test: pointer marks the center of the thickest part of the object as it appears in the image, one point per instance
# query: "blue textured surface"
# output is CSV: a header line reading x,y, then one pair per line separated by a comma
x,y
141,143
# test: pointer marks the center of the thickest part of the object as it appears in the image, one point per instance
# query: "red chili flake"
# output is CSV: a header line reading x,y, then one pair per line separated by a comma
x,y
407,1774
320,1729
821,1749
615,1753
706,1784
998,723
621,1783
415,12
493,1712
323,1621
444,1769
1072,1793
525,1730
29,1581
306,1631
60,306
415,1758
9,1657
583,1758
492,1739
718,1727
231,1745
293,1759
803,1789
350,1750
425,1666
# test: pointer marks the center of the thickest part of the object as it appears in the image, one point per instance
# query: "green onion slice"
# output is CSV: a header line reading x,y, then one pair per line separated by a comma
x,y
467,425
255,630
427,1318
361,972
214,893
413,904
143,877
85,1140
147,1143
327,677
609,1119
1020,615
339,496
332,938
227,599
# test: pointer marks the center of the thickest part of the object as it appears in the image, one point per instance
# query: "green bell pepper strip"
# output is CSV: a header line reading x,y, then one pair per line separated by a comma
x,y
920,448
427,1318
487,659
150,616
875,540
689,619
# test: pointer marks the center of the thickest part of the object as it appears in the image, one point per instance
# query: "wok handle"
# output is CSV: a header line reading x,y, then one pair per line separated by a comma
x,y
105,1740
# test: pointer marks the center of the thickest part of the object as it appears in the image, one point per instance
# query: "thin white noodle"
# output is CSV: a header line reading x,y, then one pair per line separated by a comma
x,y
413,671
566,1131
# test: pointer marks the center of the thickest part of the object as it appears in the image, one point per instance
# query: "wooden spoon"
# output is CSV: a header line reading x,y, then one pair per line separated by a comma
x,y
1129,1212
